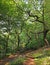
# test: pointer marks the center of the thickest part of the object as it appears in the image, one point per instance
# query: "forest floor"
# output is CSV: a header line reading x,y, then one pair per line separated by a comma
x,y
32,53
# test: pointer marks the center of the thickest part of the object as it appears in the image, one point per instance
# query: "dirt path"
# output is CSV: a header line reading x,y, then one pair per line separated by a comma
x,y
7,60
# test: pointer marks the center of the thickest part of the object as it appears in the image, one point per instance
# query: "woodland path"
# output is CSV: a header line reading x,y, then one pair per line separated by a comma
x,y
10,58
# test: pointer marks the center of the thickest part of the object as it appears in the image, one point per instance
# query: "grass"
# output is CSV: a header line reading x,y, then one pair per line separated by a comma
x,y
42,57
43,61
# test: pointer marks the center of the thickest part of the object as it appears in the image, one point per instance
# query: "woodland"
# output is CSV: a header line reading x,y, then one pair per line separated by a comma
x,y
24,32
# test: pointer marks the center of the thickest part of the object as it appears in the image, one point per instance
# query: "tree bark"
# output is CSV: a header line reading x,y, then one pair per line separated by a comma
x,y
18,41
45,40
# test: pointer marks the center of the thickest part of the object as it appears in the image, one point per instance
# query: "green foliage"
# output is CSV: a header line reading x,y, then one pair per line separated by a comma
x,y
48,37
18,61
15,21
2,46
43,61
42,57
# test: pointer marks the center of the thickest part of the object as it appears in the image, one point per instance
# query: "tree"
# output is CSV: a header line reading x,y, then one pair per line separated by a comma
x,y
23,21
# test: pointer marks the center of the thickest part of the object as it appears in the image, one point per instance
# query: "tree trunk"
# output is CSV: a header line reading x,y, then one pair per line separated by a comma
x,y
18,41
45,40
6,45
45,30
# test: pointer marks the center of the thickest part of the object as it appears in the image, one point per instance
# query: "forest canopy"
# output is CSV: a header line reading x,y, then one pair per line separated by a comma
x,y
24,24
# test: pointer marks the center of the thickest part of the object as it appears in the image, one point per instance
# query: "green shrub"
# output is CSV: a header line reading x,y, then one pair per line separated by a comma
x,y
35,43
2,47
18,61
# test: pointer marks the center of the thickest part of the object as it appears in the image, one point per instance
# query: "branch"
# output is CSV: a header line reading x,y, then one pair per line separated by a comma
x,y
45,31
40,21
37,32
29,13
